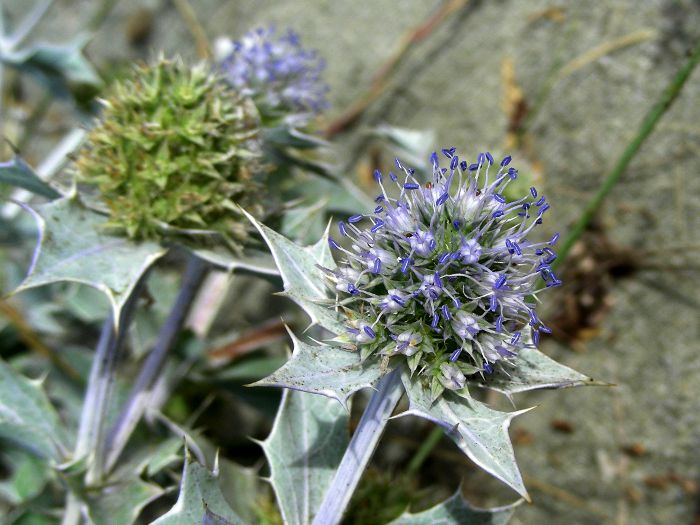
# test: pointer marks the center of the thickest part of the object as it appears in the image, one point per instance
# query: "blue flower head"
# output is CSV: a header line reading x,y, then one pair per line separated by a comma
x,y
276,71
445,273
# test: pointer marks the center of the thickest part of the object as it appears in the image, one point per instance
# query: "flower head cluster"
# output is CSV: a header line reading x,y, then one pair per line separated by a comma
x,y
174,152
444,273
275,71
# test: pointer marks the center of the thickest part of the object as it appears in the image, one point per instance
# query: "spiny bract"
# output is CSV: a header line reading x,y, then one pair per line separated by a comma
x,y
444,274
173,154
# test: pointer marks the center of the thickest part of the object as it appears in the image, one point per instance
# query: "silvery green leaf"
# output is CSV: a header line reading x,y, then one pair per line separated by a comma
x,y
457,511
251,260
241,487
18,173
532,370
323,369
304,449
25,476
412,145
73,246
199,493
62,68
305,223
480,432
120,503
304,282
287,136
27,418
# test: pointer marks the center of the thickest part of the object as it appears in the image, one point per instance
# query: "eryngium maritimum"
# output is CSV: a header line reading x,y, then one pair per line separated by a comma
x,y
445,273
275,70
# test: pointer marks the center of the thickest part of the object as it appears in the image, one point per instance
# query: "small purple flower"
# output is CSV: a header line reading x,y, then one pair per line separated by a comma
x,y
274,69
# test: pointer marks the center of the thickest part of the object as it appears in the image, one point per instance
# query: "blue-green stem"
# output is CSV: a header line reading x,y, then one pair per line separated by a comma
x,y
100,381
138,400
361,448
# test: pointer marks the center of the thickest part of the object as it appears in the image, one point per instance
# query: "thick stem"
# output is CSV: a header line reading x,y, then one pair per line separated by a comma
x,y
100,382
360,450
138,398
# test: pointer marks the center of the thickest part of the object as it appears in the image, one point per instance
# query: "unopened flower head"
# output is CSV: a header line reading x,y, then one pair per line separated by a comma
x,y
275,70
174,152
445,273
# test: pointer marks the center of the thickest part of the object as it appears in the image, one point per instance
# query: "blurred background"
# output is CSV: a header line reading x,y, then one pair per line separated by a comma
x,y
561,86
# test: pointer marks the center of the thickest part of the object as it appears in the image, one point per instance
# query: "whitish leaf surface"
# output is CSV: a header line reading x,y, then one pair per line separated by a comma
x,y
532,370
480,432
304,449
73,246
17,173
323,369
303,280
199,492
457,511
27,417
121,503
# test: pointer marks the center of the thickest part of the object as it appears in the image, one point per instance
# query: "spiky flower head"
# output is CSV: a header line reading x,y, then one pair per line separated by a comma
x,y
276,71
444,274
173,154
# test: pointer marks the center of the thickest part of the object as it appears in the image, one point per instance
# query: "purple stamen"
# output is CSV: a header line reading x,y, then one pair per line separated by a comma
x,y
554,239
445,312
378,226
443,198
355,218
369,332
332,243
455,355
490,157
341,229
533,192
493,303
377,175
411,186
505,161
500,281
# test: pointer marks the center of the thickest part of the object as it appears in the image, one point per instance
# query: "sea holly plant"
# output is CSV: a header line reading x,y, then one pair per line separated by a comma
x,y
166,171
434,291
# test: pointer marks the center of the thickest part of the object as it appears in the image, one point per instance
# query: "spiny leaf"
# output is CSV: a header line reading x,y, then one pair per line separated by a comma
x,y
303,280
18,173
323,369
63,68
304,449
532,370
480,432
199,495
73,246
28,418
457,511
121,503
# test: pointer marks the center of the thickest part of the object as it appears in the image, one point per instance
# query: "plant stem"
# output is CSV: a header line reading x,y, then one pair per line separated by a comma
x,y
668,96
424,451
100,382
137,402
361,448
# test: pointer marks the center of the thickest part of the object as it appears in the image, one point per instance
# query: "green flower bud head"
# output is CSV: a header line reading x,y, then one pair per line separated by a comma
x,y
175,152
